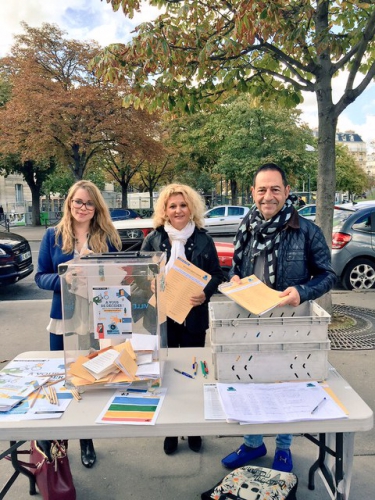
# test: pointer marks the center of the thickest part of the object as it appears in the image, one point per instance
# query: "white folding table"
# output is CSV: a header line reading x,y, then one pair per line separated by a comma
x,y
182,413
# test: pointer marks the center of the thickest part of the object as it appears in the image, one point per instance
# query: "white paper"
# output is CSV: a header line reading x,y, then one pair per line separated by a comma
x,y
212,406
280,402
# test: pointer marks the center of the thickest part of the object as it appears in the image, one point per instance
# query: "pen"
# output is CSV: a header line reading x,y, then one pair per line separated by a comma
x,y
318,406
194,362
205,367
183,373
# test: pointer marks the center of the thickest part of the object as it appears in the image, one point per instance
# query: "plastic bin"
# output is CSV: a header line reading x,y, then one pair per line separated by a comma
x,y
277,362
232,324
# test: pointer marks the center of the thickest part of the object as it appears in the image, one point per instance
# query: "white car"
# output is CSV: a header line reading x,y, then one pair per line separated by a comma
x,y
224,219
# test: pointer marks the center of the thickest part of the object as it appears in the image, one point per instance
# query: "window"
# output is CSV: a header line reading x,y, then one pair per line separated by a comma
x,y
363,224
216,212
235,211
19,193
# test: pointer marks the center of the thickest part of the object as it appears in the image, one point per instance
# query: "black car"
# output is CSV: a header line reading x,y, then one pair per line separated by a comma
x,y
123,214
15,258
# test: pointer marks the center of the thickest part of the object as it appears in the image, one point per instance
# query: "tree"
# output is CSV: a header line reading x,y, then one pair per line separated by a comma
x,y
195,52
257,135
350,176
34,173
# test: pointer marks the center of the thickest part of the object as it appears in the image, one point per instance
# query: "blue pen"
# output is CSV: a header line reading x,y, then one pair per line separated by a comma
x,y
183,373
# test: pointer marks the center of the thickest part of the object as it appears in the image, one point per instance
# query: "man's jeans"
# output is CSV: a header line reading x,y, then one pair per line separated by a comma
x,y
283,441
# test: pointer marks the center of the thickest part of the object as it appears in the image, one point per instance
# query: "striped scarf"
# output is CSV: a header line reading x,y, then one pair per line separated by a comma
x,y
265,238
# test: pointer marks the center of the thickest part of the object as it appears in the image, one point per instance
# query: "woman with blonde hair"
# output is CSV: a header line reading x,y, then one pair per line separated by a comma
x,y
85,226
178,222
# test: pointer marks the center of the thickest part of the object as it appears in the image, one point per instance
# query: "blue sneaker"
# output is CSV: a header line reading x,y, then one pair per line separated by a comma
x,y
283,461
243,455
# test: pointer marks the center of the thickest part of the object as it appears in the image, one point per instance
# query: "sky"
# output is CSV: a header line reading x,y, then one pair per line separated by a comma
x,y
95,20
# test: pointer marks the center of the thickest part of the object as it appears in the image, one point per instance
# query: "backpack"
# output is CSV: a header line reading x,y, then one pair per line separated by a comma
x,y
254,483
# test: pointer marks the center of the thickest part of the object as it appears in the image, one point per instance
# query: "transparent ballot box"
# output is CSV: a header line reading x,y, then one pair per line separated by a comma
x,y
113,316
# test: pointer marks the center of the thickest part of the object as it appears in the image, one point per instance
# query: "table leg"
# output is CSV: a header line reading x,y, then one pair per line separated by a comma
x,y
18,469
336,473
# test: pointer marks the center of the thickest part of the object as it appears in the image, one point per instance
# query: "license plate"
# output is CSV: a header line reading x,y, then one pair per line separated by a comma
x,y
25,256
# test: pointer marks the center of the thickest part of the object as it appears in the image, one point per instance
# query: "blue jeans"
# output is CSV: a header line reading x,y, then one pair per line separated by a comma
x,y
283,441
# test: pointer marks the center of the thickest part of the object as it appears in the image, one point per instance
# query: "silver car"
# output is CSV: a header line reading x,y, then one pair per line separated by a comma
x,y
224,219
353,247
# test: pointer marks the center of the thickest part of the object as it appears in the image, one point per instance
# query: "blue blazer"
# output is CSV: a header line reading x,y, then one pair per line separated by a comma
x,y
47,277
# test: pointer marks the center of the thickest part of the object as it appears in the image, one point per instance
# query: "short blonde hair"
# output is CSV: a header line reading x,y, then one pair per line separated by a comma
x,y
101,226
193,199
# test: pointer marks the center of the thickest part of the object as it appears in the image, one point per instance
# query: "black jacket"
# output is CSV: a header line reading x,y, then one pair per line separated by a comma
x,y
199,250
303,261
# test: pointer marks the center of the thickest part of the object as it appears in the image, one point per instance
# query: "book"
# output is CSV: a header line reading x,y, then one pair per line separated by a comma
x,y
252,294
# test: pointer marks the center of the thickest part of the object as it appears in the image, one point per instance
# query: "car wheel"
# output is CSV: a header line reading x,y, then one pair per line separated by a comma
x,y
360,274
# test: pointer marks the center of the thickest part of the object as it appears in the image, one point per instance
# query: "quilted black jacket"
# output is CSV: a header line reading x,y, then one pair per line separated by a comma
x,y
304,260
199,250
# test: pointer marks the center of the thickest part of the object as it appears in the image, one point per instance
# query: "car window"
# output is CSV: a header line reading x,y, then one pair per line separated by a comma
x,y
216,212
363,224
235,211
305,211
339,217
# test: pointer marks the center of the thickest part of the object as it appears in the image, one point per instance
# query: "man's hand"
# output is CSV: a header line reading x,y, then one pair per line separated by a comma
x,y
292,297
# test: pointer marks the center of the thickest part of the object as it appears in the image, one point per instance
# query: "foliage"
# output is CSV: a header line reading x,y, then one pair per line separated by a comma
x,y
195,52
258,134
350,176
58,106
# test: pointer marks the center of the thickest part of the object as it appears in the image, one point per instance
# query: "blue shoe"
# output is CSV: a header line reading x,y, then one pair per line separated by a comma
x,y
243,455
283,461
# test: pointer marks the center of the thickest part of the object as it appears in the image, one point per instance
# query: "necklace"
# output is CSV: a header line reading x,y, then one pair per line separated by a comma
x,y
81,239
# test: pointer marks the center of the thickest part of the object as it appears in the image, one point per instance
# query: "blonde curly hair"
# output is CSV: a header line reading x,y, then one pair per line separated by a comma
x,y
101,226
193,199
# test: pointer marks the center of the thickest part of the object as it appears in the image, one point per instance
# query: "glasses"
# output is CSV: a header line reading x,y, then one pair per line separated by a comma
x,y
89,205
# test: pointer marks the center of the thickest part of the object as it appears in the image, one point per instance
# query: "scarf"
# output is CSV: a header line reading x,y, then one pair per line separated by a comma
x,y
265,234
178,240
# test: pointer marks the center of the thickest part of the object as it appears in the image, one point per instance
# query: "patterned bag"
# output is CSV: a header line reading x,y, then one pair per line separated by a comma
x,y
254,483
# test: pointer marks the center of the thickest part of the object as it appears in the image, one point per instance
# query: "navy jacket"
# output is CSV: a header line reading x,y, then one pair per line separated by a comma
x,y
47,277
304,260
199,250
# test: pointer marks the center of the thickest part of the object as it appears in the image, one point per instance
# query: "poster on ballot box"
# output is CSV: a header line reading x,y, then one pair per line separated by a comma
x,y
112,312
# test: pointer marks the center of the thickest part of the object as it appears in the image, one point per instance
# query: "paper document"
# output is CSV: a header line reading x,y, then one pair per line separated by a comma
x,y
133,408
184,280
252,294
279,402
212,406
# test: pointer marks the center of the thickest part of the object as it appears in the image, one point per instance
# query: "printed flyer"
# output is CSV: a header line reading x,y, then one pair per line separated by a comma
x,y
112,312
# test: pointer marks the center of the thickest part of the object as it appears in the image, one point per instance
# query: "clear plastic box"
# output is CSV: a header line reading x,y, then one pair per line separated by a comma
x,y
108,297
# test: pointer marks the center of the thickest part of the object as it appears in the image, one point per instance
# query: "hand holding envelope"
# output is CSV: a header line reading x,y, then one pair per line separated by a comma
x,y
185,283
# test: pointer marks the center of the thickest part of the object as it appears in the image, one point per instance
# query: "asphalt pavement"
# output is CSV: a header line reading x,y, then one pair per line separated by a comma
x,y
137,468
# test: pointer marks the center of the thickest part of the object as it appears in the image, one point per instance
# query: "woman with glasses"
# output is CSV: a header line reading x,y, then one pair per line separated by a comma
x,y
85,226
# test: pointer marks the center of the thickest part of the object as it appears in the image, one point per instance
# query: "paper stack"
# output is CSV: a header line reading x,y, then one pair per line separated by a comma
x,y
14,389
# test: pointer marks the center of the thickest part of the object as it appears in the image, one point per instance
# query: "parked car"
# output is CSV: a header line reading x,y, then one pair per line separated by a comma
x,y
123,214
308,212
15,258
133,231
353,247
224,219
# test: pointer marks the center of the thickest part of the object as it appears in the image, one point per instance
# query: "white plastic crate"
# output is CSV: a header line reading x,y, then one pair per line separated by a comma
x,y
232,324
277,362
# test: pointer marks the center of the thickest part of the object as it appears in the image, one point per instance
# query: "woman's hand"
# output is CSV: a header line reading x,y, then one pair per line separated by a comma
x,y
198,300
235,279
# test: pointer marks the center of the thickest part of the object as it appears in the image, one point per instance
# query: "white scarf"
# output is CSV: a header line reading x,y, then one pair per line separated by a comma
x,y
178,240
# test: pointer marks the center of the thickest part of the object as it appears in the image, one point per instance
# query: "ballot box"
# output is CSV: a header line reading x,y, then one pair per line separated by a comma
x,y
284,344
108,299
